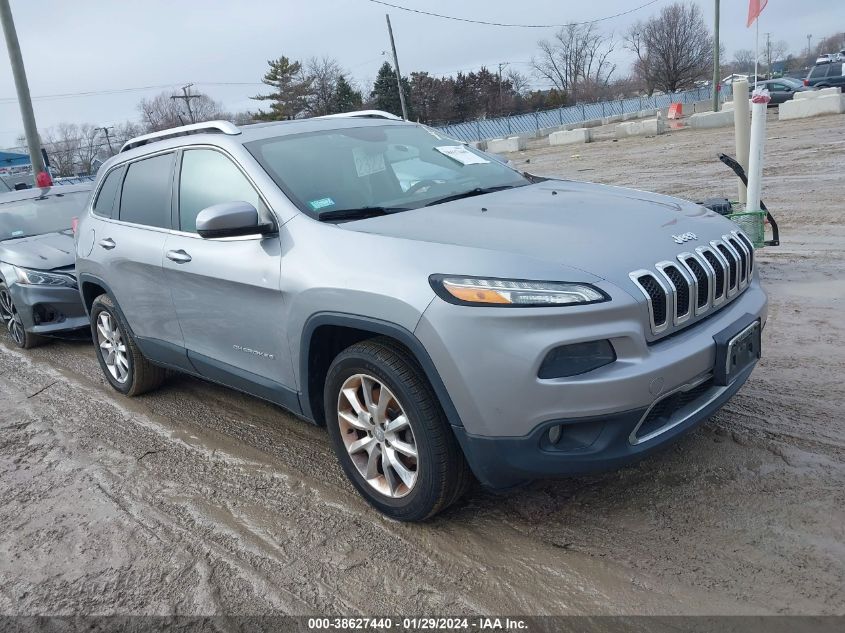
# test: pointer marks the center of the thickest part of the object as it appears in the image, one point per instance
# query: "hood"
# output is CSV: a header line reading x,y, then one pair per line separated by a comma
x,y
42,252
607,231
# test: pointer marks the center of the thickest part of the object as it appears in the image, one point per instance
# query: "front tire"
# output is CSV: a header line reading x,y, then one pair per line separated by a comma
x,y
11,320
123,364
390,434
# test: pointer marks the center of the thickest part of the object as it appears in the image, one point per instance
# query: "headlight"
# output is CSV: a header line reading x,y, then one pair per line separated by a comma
x,y
513,292
42,278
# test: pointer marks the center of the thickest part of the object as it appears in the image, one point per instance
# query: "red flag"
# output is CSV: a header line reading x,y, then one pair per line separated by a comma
x,y
755,8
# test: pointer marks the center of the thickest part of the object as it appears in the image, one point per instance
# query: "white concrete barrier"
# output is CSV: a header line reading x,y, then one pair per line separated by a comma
x,y
482,145
730,106
580,135
646,127
817,94
506,145
830,103
706,120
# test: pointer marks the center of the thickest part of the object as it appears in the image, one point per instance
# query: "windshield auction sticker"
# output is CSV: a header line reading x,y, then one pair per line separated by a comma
x,y
461,154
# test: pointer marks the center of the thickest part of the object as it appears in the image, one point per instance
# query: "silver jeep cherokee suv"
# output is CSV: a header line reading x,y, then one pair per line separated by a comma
x,y
439,312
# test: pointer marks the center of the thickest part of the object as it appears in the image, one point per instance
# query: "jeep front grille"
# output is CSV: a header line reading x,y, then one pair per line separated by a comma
x,y
695,283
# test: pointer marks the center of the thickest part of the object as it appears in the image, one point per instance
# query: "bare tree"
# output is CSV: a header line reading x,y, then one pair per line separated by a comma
x,y
579,54
161,112
61,143
324,74
673,49
90,146
520,82
743,61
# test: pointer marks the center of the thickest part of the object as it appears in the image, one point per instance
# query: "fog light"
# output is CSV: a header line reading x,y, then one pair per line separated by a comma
x,y
579,358
554,434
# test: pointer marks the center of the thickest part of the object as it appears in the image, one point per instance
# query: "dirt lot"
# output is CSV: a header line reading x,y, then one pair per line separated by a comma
x,y
198,500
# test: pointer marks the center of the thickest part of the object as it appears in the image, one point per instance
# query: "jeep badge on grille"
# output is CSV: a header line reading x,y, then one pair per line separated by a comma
x,y
684,237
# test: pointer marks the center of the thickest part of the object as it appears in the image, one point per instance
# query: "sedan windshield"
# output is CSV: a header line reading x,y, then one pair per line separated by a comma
x,y
351,173
45,214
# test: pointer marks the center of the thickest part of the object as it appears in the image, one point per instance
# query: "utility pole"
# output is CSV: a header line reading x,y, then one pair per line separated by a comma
x,y
108,140
186,96
716,68
809,46
33,141
769,53
502,65
396,65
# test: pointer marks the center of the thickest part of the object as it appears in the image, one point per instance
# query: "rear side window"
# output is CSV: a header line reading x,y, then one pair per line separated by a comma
x,y
104,205
819,71
207,178
835,70
146,192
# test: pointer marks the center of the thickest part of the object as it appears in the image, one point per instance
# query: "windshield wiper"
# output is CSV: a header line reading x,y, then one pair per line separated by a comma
x,y
356,214
478,191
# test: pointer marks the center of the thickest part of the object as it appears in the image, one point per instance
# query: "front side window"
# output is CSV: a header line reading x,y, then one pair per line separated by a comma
x,y
45,214
146,192
208,178
389,167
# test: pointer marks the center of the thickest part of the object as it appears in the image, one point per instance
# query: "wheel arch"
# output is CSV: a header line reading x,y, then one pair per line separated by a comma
x,y
326,334
91,287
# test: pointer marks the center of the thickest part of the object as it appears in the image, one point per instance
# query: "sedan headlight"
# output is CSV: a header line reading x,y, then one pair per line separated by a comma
x,y
513,292
43,278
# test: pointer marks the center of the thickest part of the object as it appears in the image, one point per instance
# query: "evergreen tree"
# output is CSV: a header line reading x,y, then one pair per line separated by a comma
x,y
385,95
291,89
346,98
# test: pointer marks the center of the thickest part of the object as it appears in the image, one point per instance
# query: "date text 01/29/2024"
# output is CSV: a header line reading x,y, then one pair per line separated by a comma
x,y
418,624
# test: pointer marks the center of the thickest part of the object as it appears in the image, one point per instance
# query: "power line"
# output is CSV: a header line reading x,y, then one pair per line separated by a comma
x,y
520,26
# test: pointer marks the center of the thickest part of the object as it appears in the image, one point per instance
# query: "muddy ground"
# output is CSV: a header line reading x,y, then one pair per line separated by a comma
x,y
199,500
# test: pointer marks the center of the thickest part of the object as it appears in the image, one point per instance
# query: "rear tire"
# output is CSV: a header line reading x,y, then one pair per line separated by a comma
x,y
390,433
123,364
12,322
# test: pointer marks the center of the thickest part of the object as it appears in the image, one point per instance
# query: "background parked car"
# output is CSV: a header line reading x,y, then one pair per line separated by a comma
x,y
826,76
827,58
38,290
782,89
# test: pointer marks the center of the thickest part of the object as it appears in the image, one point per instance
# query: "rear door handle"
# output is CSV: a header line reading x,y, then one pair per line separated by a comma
x,y
180,256
107,243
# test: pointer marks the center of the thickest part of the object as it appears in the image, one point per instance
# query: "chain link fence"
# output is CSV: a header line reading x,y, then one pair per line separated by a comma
x,y
532,122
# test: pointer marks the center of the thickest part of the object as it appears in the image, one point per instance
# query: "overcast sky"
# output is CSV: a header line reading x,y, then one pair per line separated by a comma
x,y
100,45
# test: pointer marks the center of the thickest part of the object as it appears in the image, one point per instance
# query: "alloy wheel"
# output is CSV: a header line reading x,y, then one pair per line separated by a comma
x,y
11,318
112,347
377,435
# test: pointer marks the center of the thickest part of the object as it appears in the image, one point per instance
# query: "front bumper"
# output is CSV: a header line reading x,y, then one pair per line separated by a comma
x,y
489,358
506,462
49,309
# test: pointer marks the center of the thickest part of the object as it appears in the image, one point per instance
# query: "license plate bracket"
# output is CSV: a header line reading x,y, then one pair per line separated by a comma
x,y
737,348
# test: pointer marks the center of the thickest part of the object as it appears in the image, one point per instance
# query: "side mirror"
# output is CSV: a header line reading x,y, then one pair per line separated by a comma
x,y
231,219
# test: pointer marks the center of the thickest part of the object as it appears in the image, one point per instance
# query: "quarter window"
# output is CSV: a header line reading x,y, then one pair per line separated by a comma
x,y
208,178
104,204
146,192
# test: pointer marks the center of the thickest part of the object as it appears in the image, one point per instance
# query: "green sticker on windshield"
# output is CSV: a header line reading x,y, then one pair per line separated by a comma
x,y
322,203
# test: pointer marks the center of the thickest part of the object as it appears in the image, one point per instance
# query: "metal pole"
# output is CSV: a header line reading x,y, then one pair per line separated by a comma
x,y
33,141
716,69
396,65
108,139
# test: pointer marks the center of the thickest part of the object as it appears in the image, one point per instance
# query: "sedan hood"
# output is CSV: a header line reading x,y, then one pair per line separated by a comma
x,y
607,231
42,252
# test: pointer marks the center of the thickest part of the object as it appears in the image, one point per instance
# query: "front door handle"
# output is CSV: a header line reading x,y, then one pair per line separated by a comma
x,y
107,243
180,256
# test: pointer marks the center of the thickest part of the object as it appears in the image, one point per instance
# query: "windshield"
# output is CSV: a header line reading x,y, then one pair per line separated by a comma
x,y
44,214
389,168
